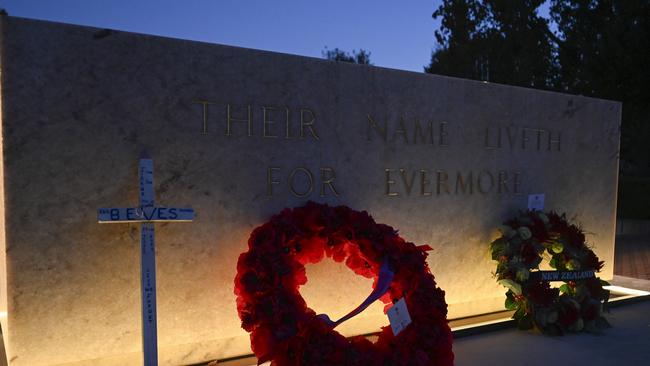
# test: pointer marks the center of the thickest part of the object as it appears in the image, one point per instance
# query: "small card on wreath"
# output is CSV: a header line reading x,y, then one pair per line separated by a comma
x,y
536,202
399,316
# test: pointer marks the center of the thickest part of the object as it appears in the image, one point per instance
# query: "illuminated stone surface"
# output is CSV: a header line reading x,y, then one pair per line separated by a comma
x,y
80,104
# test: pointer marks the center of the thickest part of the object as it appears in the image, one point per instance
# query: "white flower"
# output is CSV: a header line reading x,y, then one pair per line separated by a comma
x,y
525,233
542,216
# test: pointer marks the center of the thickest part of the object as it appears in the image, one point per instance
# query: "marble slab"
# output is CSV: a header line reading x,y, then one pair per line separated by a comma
x,y
239,134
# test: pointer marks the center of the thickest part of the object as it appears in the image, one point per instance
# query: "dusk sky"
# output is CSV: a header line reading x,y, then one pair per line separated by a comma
x,y
399,34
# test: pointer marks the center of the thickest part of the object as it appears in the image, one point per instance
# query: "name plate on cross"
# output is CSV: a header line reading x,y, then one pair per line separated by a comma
x,y
146,214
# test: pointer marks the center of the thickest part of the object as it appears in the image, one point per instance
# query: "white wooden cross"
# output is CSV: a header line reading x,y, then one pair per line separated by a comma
x,y
147,214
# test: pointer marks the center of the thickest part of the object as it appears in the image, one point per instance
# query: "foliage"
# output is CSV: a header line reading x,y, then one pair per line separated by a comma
x,y
460,41
494,40
524,242
598,48
361,57
603,52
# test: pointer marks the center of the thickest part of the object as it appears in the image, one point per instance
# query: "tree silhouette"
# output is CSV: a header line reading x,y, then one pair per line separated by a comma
x,y
600,48
361,57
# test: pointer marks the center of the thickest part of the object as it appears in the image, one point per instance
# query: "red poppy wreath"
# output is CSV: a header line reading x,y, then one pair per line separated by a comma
x,y
287,332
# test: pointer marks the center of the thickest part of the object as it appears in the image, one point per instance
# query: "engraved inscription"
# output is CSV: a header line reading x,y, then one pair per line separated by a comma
x,y
266,121
407,131
516,137
401,182
301,181
283,122
204,107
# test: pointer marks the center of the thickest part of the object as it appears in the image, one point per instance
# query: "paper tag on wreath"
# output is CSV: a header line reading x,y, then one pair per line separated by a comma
x,y
536,202
399,316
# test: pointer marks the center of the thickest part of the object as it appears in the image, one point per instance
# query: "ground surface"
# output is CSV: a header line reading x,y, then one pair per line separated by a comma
x,y
626,343
632,256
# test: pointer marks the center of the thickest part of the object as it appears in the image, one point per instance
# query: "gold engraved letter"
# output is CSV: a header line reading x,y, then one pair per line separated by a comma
x,y
442,182
442,141
503,182
418,133
552,140
266,122
408,184
381,131
512,135
401,130
465,185
230,119
205,104
497,145
516,183
269,180
540,132
388,183
524,138
327,176
309,176
288,122
424,183
309,123
481,187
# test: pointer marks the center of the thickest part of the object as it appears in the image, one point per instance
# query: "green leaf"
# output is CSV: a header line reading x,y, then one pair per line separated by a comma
x,y
512,285
565,289
557,247
498,248
553,263
573,265
511,304
519,314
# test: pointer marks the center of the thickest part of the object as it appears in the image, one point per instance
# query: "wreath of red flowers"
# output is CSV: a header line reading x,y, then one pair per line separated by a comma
x,y
287,332
575,306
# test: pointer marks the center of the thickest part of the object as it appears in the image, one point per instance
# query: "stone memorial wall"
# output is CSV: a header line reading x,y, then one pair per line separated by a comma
x,y
238,135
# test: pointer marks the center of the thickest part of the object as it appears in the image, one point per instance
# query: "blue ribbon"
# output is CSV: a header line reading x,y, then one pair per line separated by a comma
x,y
383,284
